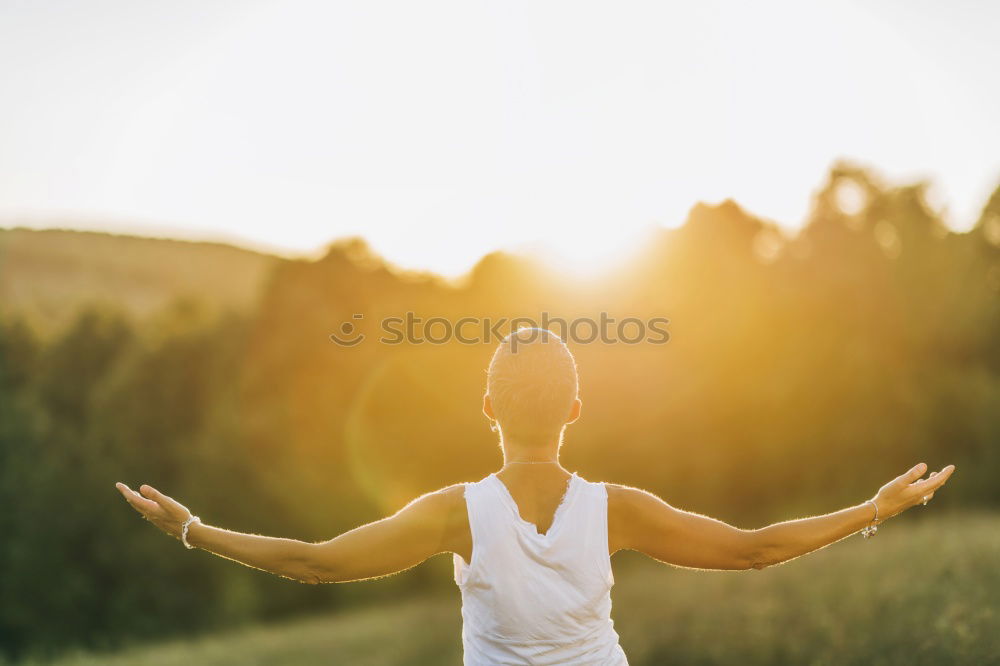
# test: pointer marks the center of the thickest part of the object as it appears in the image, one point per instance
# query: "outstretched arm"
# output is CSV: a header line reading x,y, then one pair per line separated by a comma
x,y
638,520
426,526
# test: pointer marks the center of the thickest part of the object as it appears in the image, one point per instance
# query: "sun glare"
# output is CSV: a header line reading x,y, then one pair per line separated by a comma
x,y
586,254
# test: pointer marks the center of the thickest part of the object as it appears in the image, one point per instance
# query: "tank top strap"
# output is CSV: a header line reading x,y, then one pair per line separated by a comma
x,y
588,521
488,523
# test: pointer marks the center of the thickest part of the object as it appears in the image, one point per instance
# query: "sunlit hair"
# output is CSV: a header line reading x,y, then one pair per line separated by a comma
x,y
532,382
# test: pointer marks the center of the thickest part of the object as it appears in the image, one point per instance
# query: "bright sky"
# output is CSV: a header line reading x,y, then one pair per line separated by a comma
x,y
443,130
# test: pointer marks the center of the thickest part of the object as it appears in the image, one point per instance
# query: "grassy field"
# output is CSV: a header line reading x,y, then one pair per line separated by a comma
x,y
920,592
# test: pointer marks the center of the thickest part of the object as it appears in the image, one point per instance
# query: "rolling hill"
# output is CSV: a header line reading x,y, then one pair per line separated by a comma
x,y
47,276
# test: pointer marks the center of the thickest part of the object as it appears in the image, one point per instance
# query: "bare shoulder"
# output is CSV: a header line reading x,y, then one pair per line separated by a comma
x,y
630,512
452,498
625,499
441,513
441,503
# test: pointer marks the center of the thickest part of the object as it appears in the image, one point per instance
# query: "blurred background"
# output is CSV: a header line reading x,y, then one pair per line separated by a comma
x,y
195,196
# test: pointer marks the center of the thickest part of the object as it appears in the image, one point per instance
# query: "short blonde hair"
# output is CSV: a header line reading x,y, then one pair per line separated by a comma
x,y
532,382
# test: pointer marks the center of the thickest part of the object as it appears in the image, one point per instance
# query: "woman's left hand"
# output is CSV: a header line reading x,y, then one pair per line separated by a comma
x,y
166,513
908,490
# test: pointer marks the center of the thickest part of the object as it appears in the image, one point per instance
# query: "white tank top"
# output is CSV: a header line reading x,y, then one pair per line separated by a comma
x,y
538,599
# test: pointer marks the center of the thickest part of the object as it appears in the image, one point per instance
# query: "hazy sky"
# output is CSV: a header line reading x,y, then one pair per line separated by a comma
x,y
443,130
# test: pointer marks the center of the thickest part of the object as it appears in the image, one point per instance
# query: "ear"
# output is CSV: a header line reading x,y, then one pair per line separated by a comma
x,y
574,411
488,407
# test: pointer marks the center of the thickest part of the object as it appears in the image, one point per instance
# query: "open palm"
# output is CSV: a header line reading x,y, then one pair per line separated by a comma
x,y
908,490
165,512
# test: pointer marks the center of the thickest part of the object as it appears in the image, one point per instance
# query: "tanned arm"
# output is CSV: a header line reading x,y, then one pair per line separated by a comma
x,y
641,521
430,524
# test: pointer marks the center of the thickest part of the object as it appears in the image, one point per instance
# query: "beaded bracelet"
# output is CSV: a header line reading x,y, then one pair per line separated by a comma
x,y
871,529
184,531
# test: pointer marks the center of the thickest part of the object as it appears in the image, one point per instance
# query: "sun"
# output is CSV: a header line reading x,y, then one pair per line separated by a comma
x,y
587,254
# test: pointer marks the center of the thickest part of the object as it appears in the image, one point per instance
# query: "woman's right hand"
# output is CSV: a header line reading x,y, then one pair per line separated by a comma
x,y
908,490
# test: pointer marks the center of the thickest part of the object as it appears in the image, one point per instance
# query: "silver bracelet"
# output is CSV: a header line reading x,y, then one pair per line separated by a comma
x,y
184,531
872,528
